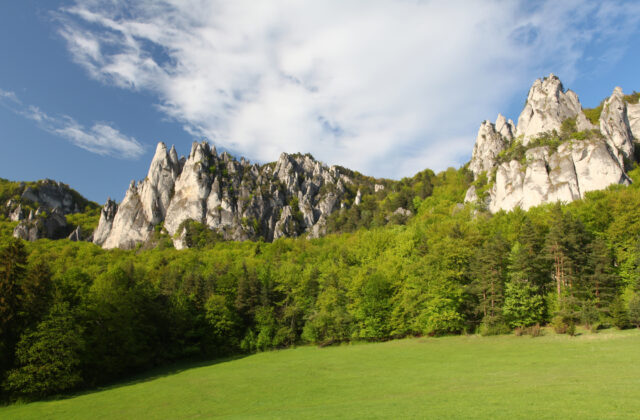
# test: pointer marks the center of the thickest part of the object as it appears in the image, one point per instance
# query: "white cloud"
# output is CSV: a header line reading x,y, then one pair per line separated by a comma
x,y
384,87
100,138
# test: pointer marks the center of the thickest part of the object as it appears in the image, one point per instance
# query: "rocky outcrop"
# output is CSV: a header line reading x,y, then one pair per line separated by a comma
x,y
547,106
76,235
490,141
591,159
42,224
614,125
145,204
51,200
633,115
107,214
237,199
52,194
575,168
16,213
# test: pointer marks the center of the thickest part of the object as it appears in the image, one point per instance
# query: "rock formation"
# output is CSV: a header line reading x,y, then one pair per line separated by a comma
x,y
42,224
239,200
591,159
546,107
51,200
490,141
614,125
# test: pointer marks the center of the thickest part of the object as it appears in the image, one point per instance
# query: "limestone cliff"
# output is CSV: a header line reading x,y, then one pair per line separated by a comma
x,y
40,208
234,198
556,154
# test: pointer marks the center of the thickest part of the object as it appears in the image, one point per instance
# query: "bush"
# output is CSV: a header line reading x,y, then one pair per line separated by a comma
x,y
560,326
619,313
493,326
534,330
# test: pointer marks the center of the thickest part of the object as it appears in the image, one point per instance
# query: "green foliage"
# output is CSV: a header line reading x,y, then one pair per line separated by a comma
x,y
619,314
377,208
198,235
593,114
633,311
523,305
49,358
88,220
633,98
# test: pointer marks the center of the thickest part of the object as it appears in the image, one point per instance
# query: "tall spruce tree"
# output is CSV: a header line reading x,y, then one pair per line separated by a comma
x,y
488,271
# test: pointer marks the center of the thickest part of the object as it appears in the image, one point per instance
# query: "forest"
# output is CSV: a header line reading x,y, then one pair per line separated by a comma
x,y
74,316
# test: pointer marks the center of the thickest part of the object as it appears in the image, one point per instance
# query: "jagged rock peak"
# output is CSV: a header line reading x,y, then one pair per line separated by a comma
x,y
489,143
615,126
548,104
239,200
107,214
504,127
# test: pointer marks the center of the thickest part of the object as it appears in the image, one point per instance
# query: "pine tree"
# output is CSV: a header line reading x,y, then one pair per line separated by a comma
x,y
488,272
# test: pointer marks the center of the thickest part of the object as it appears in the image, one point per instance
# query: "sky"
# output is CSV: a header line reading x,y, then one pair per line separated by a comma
x,y
387,88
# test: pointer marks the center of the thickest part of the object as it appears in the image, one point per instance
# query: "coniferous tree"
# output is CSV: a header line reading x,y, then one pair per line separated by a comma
x,y
600,282
488,271
523,305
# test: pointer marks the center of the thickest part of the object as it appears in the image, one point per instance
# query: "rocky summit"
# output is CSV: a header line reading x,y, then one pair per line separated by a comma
x,y
555,153
40,208
234,198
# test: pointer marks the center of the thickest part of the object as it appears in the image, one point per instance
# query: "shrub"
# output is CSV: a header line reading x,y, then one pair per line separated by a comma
x,y
493,325
593,114
534,330
560,326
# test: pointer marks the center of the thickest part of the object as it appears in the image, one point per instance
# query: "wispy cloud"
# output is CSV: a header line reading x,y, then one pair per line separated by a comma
x,y
100,138
385,87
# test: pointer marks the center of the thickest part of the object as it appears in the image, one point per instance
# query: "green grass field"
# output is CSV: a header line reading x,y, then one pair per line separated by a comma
x,y
590,376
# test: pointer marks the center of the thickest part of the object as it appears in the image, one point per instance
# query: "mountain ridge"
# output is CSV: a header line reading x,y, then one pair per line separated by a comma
x,y
557,151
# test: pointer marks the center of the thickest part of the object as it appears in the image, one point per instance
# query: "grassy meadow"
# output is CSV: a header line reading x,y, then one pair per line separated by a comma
x,y
554,376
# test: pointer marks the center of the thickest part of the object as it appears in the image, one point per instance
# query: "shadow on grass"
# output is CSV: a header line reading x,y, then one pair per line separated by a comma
x,y
138,378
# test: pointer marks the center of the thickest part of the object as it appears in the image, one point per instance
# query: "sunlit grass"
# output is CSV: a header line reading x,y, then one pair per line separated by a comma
x,y
588,376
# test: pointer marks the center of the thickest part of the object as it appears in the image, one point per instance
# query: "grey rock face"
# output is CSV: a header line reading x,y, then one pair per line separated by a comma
x,y
17,213
566,175
546,175
42,224
614,125
53,201
107,214
52,194
546,107
144,206
130,225
290,197
633,115
490,141
76,235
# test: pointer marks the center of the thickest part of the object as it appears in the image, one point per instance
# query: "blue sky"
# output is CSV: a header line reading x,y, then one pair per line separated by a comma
x,y
388,88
